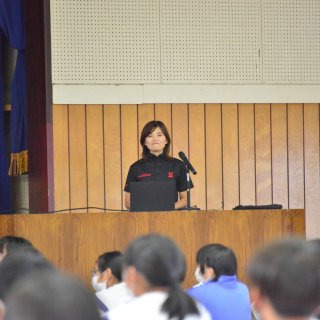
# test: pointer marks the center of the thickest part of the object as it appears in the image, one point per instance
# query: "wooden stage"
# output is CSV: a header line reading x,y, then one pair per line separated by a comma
x,y
73,241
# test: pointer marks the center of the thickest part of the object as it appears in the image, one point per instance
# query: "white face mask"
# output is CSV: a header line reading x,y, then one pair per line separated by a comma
x,y
98,286
198,275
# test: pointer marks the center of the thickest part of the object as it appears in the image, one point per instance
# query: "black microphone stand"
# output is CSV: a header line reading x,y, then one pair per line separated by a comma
x,y
188,207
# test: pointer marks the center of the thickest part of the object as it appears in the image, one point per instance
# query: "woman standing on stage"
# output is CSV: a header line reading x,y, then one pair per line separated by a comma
x,y
156,163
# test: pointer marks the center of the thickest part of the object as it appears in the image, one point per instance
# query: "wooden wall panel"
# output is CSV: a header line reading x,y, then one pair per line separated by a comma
x,y
95,156
197,154
263,154
230,156
61,157
74,241
112,157
295,156
180,129
129,139
163,113
213,156
243,153
247,155
312,167
78,157
279,154
145,114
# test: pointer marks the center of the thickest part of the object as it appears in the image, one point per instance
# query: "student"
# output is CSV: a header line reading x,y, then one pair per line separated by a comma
x,y
156,163
285,279
316,242
117,292
201,261
50,296
153,268
19,263
11,242
221,293
102,274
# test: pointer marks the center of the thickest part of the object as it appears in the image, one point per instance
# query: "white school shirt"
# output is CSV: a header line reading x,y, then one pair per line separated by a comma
x,y
114,296
148,306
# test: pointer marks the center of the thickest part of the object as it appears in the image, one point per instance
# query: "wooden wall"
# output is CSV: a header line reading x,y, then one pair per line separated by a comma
x,y
72,242
244,153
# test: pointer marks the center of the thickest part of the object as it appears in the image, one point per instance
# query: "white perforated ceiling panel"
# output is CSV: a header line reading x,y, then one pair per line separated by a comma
x,y
155,41
291,41
205,41
185,41
105,41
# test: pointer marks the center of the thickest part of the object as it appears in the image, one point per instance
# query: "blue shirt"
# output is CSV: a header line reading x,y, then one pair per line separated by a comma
x,y
225,299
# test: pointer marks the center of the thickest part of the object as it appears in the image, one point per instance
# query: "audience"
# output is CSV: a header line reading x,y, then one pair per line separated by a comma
x,y
17,264
102,275
117,292
153,268
285,280
316,242
8,243
47,295
284,276
221,293
201,260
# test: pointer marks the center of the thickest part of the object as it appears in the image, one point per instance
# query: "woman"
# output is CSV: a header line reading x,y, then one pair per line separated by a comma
x,y
153,268
156,163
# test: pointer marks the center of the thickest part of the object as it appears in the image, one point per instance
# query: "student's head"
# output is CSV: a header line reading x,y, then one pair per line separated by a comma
x,y
50,296
19,264
316,242
154,262
105,273
201,262
157,260
217,260
155,130
285,279
8,243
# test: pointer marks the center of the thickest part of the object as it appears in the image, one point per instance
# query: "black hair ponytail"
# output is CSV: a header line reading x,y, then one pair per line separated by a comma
x,y
163,265
179,304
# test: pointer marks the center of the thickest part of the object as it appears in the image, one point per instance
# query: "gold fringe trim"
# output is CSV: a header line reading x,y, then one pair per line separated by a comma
x,y
18,163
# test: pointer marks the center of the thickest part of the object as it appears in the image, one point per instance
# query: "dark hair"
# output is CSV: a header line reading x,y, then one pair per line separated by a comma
x,y
287,272
18,264
50,296
316,242
221,259
116,267
162,264
8,242
149,128
105,259
201,257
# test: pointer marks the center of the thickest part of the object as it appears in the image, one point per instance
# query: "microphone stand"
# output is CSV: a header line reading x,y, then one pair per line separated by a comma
x,y
188,207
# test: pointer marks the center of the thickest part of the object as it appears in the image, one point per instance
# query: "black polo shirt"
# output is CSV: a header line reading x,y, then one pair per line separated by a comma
x,y
158,169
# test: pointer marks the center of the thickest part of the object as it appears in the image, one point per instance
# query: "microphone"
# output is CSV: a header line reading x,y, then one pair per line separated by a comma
x,y
187,162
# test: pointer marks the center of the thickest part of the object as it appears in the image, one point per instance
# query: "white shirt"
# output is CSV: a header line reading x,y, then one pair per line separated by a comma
x,y
147,307
114,296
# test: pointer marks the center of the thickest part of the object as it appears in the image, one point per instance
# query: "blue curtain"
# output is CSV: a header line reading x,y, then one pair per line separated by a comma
x,y
12,28
5,187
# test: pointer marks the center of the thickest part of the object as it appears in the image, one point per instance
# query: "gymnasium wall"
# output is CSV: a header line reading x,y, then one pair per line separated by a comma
x,y
244,153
